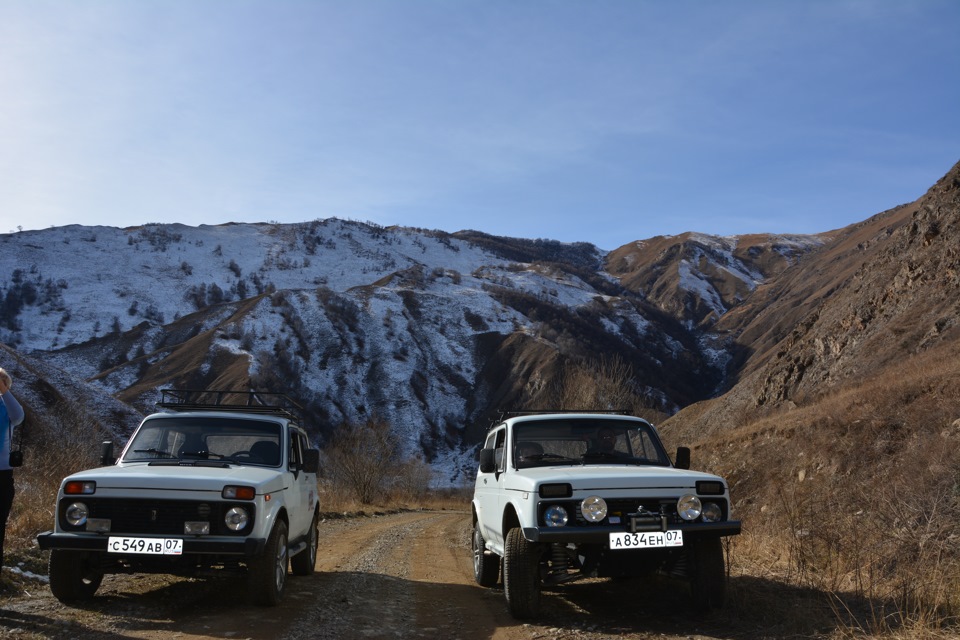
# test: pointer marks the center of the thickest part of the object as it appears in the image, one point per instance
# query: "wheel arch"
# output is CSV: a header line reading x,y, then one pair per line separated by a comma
x,y
510,520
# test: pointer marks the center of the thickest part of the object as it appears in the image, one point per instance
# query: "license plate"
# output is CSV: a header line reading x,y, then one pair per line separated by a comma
x,y
646,540
150,546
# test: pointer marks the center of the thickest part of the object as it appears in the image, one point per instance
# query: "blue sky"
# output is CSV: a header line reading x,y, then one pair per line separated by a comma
x,y
604,121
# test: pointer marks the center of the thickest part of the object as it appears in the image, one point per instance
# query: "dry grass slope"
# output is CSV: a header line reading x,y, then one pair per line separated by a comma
x,y
841,440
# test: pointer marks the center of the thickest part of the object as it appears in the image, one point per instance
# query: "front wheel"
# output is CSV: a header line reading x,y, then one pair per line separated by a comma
x,y
74,575
486,565
521,575
708,576
304,562
268,573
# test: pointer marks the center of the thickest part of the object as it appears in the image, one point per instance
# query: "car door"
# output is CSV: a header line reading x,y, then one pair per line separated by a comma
x,y
489,488
298,510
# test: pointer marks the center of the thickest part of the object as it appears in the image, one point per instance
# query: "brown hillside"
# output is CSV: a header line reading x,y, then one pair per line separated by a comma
x,y
728,268
840,438
879,293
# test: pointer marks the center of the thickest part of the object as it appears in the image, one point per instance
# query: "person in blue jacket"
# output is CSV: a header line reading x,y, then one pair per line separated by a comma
x,y
11,415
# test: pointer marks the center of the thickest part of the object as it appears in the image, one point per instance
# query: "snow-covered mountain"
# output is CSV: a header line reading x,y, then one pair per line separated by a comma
x,y
427,330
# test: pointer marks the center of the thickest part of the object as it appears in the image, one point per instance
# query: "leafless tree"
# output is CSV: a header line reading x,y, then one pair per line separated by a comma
x,y
362,458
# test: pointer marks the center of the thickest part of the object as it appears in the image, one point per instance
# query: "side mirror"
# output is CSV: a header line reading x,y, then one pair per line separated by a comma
x,y
488,463
106,454
311,461
683,458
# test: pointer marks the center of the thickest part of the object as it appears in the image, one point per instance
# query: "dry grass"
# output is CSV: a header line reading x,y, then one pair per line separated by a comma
x,y
852,496
63,441
334,500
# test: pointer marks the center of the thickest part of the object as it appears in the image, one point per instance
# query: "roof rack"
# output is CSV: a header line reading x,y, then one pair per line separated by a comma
x,y
277,404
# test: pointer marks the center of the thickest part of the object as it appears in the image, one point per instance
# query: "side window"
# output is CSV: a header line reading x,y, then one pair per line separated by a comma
x,y
304,445
501,437
295,459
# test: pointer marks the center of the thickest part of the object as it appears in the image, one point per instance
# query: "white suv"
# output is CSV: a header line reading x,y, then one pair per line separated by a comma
x,y
564,495
208,485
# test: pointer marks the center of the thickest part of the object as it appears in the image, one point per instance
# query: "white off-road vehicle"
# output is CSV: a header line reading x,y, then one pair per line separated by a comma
x,y
561,496
221,481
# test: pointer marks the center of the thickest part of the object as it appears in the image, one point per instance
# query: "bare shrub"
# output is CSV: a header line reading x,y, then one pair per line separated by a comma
x,y
412,481
361,458
604,384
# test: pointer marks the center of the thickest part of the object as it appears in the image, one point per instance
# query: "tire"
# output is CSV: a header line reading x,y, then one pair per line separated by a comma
x,y
304,562
486,565
268,572
74,575
708,576
521,575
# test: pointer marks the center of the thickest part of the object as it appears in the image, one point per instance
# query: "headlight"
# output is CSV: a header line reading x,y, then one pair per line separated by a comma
x,y
712,512
593,508
689,507
236,518
555,516
76,514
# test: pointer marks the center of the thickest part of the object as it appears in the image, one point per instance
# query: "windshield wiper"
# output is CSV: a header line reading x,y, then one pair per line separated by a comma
x,y
203,455
159,452
597,456
548,456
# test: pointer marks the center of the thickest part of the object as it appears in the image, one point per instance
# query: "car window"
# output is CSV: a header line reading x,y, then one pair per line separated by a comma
x,y
499,441
295,458
206,438
586,440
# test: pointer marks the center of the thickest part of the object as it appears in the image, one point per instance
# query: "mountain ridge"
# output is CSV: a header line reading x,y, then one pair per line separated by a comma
x,y
434,331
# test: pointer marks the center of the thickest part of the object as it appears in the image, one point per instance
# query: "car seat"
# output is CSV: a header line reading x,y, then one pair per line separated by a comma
x,y
266,451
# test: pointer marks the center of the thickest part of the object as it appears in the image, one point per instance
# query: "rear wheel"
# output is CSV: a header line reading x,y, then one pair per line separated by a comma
x,y
708,576
268,573
486,565
521,575
304,562
74,575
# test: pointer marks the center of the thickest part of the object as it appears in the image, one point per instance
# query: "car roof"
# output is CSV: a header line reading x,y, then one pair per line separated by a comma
x,y
233,415
573,415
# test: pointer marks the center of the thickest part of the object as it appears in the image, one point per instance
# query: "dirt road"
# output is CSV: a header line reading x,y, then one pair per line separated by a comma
x,y
406,575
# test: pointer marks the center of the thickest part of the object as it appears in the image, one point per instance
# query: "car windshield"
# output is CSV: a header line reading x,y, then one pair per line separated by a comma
x,y
586,441
229,440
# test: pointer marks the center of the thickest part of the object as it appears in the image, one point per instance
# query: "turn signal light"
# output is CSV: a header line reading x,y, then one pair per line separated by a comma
x,y
238,493
556,490
78,488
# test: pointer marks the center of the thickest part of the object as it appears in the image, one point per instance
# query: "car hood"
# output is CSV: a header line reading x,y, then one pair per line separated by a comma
x,y
608,477
147,477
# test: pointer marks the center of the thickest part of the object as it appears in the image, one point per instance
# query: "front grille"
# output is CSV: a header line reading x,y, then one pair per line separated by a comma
x,y
624,507
156,517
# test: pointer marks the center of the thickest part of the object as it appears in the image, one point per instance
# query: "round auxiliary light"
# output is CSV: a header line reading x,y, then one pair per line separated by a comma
x,y
712,512
236,518
689,507
593,508
555,516
76,514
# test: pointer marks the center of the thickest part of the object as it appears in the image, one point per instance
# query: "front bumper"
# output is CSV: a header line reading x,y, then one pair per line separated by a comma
x,y
600,534
246,547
